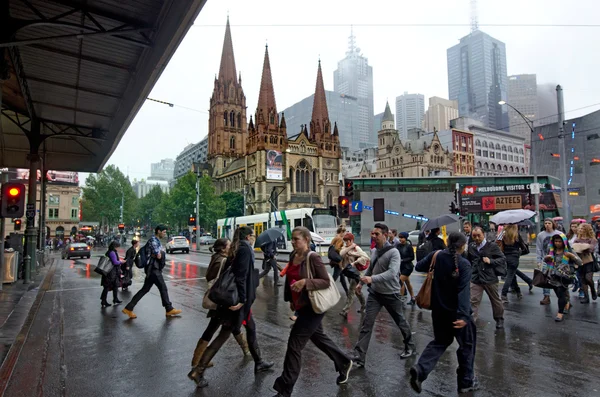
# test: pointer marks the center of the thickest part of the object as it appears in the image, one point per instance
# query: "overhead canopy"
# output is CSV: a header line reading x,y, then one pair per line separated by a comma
x,y
76,72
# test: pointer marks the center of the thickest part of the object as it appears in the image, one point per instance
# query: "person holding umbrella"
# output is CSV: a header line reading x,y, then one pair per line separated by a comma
x,y
267,241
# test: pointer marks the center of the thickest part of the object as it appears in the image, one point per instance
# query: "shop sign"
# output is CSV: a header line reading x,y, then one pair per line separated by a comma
x,y
499,203
594,208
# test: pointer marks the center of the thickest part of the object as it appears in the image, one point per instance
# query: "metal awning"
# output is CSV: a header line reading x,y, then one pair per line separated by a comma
x,y
76,72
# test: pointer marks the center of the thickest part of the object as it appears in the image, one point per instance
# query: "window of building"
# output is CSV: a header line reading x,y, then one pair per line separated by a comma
x,y
498,155
485,153
53,200
477,143
504,156
479,164
74,213
505,168
510,157
511,169
53,213
510,149
493,166
225,118
75,200
239,120
492,155
504,148
521,160
232,118
478,152
232,143
485,144
497,146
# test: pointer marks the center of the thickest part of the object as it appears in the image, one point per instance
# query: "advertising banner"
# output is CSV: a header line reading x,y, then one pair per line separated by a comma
x,y
274,165
57,177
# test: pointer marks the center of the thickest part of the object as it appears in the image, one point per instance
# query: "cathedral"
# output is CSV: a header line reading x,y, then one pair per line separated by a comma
x,y
257,158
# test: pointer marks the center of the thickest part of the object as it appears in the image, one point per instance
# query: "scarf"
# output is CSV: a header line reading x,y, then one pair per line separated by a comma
x,y
560,264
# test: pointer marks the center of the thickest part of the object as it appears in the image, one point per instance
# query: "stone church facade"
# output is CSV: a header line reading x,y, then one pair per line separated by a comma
x,y
257,158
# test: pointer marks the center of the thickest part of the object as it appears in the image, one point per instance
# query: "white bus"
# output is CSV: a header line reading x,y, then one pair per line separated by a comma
x,y
321,221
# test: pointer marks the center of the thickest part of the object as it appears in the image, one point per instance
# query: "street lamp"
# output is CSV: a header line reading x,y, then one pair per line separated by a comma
x,y
536,191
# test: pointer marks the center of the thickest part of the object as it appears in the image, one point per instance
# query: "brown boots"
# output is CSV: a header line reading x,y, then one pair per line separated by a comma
x,y
241,340
200,348
545,300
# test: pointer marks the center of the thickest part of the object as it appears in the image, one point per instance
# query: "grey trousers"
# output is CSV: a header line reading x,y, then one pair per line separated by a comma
x,y
393,305
350,296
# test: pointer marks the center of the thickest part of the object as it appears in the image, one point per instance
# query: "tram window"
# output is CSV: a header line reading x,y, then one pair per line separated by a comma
x,y
308,223
297,222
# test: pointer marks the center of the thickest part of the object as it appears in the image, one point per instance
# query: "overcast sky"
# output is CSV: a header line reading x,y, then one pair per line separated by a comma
x,y
403,58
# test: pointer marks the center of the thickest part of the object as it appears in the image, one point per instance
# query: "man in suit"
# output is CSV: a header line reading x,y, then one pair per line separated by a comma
x,y
488,263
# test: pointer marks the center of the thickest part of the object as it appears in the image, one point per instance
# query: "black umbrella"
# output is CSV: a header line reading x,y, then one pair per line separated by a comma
x,y
438,222
268,236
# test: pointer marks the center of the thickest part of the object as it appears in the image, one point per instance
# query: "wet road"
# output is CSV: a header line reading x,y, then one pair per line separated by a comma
x,y
75,348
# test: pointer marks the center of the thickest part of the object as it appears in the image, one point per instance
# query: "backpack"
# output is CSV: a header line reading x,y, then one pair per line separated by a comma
x,y
142,257
424,249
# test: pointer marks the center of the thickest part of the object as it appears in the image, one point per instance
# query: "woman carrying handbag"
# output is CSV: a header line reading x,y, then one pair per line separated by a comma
x,y
111,282
306,275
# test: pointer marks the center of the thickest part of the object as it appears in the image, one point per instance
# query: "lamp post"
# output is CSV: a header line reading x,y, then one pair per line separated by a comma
x,y
536,190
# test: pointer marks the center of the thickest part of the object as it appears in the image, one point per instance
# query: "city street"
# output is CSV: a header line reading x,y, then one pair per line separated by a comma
x,y
75,348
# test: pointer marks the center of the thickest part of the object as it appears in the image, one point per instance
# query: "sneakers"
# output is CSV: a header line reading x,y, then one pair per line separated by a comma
x,y
173,312
408,352
356,360
415,383
130,313
545,300
473,387
344,373
262,366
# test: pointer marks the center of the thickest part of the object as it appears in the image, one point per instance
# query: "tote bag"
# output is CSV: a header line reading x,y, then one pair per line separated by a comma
x,y
206,302
322,299
423,298
104,266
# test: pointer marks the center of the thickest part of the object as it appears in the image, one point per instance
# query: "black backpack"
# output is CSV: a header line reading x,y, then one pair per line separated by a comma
x,y
424,249
142,259
224,291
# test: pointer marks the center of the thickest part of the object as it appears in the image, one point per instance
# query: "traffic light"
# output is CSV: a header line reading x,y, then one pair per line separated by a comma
x,y
13,200
453,208
349,189
343,207
333,210
17,224
192,221
121,227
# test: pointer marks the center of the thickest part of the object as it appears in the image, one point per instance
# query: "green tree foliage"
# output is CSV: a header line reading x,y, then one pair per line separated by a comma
x,y
102,194
147,206
212,207
234,204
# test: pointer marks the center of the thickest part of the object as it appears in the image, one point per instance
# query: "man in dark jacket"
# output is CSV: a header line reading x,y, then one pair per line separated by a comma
x,y
487,263
270,262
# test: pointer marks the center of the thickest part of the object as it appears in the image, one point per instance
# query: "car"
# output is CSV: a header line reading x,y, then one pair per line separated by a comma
x,y
206,240
413,237
81,250
178,243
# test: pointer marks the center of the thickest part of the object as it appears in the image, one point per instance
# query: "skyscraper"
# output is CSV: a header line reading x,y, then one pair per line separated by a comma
x,y
522,94
477,78
354,77
439,114
409,113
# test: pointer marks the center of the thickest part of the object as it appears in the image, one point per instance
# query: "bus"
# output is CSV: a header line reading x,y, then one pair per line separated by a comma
x,y
321,221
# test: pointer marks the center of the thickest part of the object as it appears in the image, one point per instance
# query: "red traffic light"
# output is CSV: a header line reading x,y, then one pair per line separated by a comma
x,y
14,191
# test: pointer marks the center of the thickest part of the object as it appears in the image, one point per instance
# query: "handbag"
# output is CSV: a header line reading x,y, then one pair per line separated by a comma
x,y
596,265
322,300
224,291
104,266
423,298
541,279
206,302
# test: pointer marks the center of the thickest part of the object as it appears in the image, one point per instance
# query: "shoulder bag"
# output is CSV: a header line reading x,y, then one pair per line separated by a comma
x,y
206,302
423,298
224,291
104,266
322,300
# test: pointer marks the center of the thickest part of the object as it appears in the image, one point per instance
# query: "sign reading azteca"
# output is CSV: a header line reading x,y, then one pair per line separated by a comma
x,y
467,190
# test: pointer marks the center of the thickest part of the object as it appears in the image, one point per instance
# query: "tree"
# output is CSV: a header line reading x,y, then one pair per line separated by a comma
x,y
212,207
234,204
102,196
148,204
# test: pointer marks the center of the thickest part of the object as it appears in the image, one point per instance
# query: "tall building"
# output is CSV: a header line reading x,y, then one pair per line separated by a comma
x,y
354,77
522,94
343,110
143,187
409,112
162,170
477,78
438,115
190,155
273,171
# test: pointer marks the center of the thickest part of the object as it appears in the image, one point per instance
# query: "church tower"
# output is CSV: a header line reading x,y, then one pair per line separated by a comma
x,y
321,131
227,128
387,135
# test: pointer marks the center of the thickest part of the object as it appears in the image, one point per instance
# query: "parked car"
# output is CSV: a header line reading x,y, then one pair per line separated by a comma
x,y
178,243
206,240
413,237
71,250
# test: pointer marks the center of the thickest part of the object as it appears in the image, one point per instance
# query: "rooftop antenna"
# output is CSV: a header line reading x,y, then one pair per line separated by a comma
x,y
352,42
474,17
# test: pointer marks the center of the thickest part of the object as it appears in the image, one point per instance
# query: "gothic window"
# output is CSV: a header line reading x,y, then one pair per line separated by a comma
x,y
512,169
494,166
479,164
314,181
329,198
510,149
520,151
505,169
232,119
291,181
265,139
477,143
232,143
504,148
239,120
523,171
271,118
485,144
422,172
400,160
497,146
486,166
225,118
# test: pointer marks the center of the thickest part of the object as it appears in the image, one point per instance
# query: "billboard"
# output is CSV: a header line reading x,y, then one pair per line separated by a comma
x,y
274,165
55,177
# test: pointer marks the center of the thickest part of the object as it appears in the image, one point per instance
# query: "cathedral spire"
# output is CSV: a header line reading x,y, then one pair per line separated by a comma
x,y
227,70
266,97
320,116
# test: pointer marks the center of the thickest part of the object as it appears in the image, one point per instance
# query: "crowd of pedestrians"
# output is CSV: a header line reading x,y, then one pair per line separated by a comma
x,y
463,268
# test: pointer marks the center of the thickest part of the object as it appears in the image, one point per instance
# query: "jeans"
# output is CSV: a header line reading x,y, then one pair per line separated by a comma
x,y
154,277
492,292
444,334
352,292
307,327
511,280
337,272
562,293
393,305
269,264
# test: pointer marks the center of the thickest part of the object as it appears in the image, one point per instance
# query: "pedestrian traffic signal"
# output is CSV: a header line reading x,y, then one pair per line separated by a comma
x,y
343,207
17,224
192,221
349,189
12,200
453,208
121,227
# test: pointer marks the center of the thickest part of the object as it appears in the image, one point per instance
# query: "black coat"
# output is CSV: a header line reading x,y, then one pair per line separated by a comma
x,y
334,256
407,253
246,278
484,273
